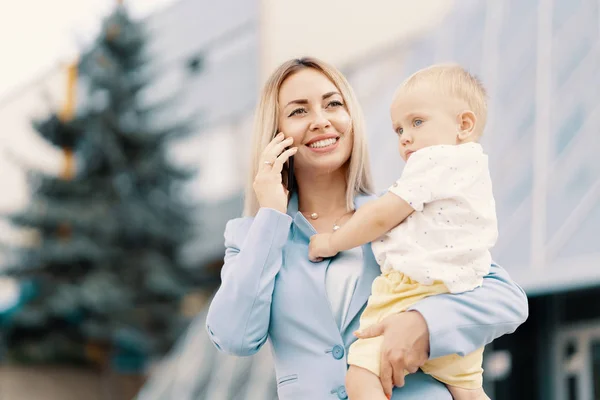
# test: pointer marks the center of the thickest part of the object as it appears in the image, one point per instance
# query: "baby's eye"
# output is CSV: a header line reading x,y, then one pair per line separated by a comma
x,y
417,122
399,131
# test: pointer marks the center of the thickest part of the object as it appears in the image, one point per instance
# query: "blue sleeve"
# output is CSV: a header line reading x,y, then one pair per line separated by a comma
x,y
239,314
462,323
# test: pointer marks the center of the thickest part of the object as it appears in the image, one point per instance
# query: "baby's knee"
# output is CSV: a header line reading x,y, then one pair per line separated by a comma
x,y
362,384
352,381
468,394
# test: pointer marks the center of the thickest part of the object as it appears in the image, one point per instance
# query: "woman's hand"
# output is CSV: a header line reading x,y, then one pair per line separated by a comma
x,y
405,346
268,184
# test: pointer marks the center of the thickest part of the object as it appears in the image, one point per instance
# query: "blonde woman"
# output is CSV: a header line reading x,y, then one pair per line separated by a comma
x,y
309,311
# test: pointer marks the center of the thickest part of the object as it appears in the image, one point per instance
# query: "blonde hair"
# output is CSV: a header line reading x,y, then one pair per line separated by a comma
x,y
267,119
455,81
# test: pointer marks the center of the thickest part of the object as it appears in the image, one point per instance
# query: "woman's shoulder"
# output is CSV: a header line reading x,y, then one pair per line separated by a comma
x,y
266,219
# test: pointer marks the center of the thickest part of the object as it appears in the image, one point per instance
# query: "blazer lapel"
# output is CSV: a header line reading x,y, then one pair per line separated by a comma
x,y
302,230
370,272
370,267
363,288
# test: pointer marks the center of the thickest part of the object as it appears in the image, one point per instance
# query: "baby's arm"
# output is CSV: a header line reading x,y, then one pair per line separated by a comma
x,y
371,221
428,171
368,223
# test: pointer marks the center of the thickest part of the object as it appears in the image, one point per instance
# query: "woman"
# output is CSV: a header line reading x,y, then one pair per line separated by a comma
x,y
309,311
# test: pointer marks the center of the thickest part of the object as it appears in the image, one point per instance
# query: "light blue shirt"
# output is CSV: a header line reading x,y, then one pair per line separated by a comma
x,y
270,290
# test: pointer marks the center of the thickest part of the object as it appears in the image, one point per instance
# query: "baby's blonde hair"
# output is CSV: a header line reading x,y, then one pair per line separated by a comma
x,y
455,81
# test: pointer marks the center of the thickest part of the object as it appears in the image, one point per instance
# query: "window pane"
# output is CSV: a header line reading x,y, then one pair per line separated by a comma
x,y
596,369
572,388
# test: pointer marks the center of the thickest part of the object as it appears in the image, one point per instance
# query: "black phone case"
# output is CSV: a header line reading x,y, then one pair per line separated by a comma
x,y
290,175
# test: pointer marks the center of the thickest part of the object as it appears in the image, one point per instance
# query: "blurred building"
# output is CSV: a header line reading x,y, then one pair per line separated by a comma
x,y
206,58
540,61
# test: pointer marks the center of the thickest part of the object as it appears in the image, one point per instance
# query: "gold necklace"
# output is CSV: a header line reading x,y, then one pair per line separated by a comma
x,y
315,216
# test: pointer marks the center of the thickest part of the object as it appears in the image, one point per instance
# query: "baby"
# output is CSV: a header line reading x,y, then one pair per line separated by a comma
x,y
433,230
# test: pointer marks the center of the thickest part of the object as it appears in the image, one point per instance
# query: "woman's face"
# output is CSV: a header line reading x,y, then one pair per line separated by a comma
x,y
313,112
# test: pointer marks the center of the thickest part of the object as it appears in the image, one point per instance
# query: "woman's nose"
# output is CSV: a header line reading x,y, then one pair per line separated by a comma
x,y
320,121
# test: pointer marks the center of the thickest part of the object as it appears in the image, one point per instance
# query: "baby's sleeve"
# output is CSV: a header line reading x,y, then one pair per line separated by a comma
x,y
435,173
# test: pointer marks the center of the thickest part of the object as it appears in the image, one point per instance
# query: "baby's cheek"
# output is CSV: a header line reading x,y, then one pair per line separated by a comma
x,y
401,150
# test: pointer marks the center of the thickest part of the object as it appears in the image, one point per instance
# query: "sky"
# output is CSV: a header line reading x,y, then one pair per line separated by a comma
x,y
36,35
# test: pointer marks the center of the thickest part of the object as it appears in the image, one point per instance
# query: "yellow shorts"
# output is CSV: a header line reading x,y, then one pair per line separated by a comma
x,y
392,293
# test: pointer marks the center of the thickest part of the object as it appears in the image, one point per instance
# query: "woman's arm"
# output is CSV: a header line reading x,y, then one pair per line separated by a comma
x,y
462,323
448,324
239,314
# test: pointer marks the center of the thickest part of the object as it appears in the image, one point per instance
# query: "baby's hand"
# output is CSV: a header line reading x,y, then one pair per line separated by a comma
x,y
320,247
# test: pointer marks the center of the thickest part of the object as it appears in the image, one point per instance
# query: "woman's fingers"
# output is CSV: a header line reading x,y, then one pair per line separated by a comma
x,y
283,157
278,148
275,148
277,139
386,376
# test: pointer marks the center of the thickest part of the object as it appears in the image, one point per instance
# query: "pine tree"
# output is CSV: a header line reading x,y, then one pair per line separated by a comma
x,y
106,265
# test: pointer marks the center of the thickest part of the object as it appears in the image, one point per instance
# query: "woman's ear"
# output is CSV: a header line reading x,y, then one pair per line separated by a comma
x,y
466,126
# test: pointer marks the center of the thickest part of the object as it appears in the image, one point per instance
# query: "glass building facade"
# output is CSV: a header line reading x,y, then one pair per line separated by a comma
x,y
540,61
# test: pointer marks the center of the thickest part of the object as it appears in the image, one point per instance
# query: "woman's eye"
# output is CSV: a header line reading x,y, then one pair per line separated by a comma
x,y
418,122
335,103
297,111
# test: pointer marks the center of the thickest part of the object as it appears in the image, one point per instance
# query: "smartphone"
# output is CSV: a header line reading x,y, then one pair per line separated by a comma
x,y
287,173
290,175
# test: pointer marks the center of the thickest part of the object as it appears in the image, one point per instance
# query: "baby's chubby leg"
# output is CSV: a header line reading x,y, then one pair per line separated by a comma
x,y
362,384
467,394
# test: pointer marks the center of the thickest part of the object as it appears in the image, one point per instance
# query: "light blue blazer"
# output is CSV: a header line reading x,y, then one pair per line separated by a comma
x,y
270,290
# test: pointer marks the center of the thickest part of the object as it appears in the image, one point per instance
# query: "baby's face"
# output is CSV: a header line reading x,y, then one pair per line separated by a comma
x,y
422,117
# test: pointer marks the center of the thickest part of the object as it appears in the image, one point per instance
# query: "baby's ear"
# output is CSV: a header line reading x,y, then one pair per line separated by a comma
x,y
466,125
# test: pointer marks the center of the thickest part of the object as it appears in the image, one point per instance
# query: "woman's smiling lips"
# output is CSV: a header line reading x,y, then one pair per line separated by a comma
x,y
323,143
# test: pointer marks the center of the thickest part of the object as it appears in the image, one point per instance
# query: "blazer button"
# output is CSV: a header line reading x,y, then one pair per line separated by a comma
x,y
337,352
341,393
